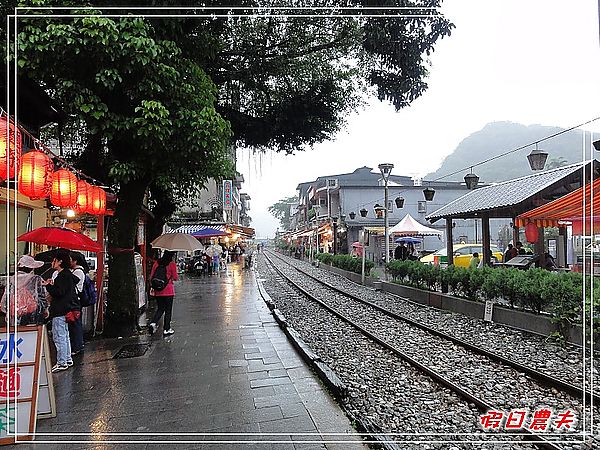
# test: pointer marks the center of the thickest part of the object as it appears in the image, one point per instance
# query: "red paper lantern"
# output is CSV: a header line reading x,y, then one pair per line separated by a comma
x,y
97,200
9,149
531,232
83,196
35,175
64,188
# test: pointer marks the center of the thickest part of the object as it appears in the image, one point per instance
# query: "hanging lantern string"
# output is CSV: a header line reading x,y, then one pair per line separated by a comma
x,y
39,145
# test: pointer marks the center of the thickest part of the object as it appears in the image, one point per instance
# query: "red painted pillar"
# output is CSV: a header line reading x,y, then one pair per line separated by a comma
x,y
100,273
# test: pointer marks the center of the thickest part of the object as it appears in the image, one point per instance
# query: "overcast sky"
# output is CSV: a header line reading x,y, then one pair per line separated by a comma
x,y
533,62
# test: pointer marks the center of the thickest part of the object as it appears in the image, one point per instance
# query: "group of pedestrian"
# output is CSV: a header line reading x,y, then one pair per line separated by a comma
x,y
404,252
513,251
164,273
56,299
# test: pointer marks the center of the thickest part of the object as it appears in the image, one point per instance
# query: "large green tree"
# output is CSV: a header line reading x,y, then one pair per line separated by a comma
x,y
149,113
160,99
281,211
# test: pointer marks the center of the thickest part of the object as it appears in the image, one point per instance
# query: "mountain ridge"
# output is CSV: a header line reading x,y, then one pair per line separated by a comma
x,y
496,138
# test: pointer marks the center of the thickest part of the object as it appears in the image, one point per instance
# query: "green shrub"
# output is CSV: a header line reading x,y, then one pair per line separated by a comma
x,y
529,291
494,285
566,294
325,258
534,289
431,276
475,282
416,274
398,269
461,281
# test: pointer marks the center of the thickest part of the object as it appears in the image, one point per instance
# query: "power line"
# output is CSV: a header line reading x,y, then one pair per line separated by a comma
x,y
470,166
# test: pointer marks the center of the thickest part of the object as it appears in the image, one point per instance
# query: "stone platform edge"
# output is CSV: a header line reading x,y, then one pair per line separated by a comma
x,y
325,373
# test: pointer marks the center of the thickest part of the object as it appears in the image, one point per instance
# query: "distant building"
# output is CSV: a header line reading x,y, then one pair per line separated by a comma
x,y
344,196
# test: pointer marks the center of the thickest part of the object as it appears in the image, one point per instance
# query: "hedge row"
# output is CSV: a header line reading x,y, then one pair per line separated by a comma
x,y
536,290
345,262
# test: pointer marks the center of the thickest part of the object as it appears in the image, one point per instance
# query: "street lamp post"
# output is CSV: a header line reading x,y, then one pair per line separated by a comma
x,y
335,225
386,170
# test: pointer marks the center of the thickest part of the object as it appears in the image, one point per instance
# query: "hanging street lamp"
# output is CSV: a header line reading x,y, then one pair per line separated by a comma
x,y
399,202
537,158
471,180
428,193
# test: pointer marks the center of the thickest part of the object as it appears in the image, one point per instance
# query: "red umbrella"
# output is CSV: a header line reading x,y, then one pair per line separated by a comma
x,y
60,237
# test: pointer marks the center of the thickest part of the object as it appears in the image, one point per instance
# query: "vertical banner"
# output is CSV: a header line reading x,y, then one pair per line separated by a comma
x,y
227,195
20,355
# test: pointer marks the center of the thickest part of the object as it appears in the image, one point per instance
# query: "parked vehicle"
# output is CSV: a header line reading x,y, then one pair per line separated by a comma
x,y
463,254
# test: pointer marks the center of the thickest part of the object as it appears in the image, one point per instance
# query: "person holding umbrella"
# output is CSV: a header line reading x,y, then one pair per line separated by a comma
x,y
165,270
63,301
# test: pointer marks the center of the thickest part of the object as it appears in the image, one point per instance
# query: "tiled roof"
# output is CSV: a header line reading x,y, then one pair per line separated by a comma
x,y
504,194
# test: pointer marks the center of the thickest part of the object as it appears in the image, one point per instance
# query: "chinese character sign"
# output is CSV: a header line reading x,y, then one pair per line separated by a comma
x,y
19,369
541,420
10,382
227,195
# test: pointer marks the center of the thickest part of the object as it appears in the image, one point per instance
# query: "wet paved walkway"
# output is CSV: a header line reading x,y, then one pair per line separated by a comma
x,y
228,369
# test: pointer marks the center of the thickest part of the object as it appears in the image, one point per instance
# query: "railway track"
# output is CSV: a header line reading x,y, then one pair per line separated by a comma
x,y
463,368
547,379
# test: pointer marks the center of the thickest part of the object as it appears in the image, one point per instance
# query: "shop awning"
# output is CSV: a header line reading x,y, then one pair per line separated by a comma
x,y
377,230
569,208
242,231
192,229
209,232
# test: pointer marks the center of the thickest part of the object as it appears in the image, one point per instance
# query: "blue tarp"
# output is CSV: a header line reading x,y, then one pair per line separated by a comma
x,y
407,240
208,232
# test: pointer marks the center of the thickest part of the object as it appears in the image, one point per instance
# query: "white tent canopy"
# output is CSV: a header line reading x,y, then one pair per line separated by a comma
x,y
410,227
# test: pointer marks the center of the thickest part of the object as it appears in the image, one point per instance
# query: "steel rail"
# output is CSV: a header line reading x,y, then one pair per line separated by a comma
x,y
480,403
548,380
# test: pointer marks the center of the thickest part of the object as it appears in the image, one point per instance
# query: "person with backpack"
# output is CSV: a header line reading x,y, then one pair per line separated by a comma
x,y
86,294
164,272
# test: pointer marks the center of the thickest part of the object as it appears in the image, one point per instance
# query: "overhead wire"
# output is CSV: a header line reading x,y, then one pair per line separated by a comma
x,y
516,149
39,145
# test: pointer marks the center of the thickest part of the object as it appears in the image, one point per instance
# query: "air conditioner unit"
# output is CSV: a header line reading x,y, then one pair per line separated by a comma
x,y
322,202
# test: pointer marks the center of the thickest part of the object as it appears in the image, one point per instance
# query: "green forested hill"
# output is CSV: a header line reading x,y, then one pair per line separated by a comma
x,y
499,137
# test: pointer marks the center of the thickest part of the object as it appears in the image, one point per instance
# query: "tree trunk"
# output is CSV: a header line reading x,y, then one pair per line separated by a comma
x,y
122,306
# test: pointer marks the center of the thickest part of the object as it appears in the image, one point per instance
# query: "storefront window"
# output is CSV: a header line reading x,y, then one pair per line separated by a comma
x,y
23,221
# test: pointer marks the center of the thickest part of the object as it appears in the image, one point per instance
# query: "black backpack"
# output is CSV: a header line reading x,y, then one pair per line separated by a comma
x,y
159,281
88,295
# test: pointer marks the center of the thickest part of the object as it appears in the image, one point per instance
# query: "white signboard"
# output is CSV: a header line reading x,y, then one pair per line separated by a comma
x,y
20,352
489,309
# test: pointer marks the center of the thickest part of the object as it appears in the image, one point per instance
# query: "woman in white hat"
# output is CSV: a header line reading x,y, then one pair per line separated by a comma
x,y
31,302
